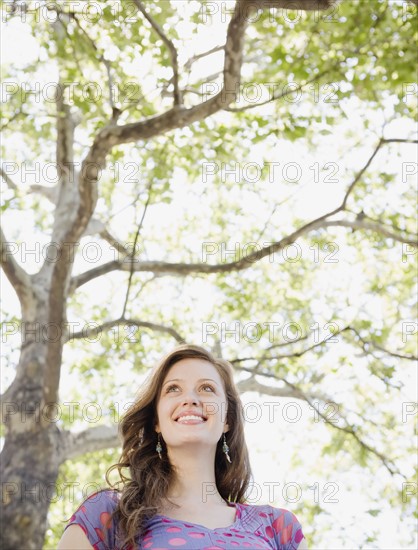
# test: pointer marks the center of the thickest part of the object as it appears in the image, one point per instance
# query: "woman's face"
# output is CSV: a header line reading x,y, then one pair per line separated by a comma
x,y
192,387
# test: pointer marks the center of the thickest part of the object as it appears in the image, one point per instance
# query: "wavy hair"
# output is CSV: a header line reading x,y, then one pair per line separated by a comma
x,y
146,479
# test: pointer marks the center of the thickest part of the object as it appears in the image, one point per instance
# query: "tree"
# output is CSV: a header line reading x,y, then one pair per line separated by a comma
x,y
302,55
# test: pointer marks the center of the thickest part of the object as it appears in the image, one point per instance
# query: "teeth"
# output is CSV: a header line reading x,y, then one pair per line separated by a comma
x,y
190,417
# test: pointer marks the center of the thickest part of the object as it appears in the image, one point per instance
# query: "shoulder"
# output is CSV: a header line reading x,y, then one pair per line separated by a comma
x,y
94,516
101,502
277,524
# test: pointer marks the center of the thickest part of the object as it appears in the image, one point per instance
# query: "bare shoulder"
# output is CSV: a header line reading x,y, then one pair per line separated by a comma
x,y
303,545
74,539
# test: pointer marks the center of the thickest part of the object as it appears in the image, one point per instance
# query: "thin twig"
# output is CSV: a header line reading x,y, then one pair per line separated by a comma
x,y
171,48
102,59
132,271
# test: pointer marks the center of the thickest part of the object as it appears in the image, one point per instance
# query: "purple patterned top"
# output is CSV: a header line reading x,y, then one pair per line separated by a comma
x,y
262,526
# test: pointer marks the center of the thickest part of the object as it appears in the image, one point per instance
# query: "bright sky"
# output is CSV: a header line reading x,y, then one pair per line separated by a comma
x,y
285,434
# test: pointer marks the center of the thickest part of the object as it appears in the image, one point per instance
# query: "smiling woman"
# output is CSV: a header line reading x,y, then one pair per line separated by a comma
x,y
189,469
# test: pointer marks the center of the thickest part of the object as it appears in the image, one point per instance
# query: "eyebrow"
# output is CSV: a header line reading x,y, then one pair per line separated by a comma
x,y
181,380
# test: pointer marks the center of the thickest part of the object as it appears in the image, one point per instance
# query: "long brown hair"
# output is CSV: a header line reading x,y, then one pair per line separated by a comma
x,y
149,478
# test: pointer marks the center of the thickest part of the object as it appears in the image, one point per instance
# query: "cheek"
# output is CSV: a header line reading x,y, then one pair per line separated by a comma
x,y
164,411
215,408
160,412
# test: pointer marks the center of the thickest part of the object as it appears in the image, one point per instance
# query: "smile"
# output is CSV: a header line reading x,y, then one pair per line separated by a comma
x,y
190,419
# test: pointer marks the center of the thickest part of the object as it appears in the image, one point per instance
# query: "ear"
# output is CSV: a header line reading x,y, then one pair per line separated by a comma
x,y
226,428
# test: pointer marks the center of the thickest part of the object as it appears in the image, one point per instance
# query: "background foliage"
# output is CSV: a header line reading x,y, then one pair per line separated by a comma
x,y
353,69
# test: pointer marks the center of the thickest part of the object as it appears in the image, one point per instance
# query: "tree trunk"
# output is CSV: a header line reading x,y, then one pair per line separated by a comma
x,y
30,459
30,466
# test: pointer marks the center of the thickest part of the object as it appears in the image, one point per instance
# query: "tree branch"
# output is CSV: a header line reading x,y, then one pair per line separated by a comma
x,y
98,438
198,56
304,5
10,183
131,273
366,343
50,193
97,227
264,354
171,48
14,117
187,67
360,174
177,117
251,384
291,390
65,131
373,226
18,277
94,331
352,431
182,269
280,95
399,140
115,111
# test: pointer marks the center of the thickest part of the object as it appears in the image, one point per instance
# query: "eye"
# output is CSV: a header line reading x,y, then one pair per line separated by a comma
x,y
168,390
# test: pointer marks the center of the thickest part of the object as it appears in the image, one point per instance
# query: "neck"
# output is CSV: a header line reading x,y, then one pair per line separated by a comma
x,y
195,484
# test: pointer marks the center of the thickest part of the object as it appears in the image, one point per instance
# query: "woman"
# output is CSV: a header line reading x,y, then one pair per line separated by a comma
x,y
188,464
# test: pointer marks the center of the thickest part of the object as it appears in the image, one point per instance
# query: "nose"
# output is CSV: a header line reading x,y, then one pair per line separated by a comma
x,y
190,397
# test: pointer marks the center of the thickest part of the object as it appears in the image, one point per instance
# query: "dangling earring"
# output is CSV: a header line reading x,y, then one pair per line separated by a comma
x,y
159,447
225,449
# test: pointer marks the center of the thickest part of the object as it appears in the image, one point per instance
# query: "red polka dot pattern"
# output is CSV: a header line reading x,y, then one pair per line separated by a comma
x,y
255,527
